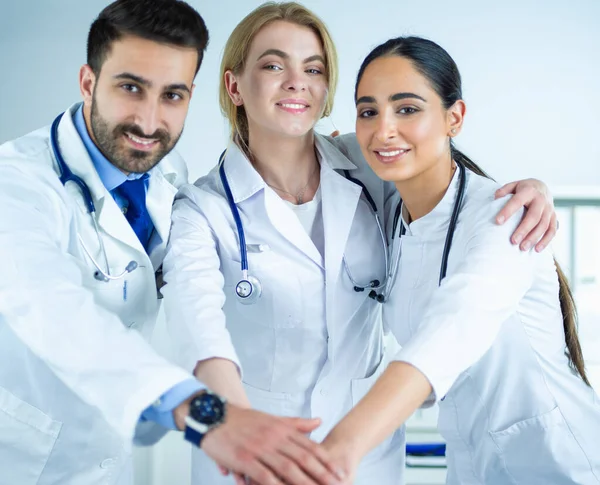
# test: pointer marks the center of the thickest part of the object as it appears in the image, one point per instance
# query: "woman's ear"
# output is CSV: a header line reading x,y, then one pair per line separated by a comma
x,y
456,115
232,86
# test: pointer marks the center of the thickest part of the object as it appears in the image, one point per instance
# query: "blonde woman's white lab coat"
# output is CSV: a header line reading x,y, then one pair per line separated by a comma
x,y
311,345
75,373
491,342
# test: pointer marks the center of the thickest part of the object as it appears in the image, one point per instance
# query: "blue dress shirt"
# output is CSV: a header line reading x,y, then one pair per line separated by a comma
x,y
161,411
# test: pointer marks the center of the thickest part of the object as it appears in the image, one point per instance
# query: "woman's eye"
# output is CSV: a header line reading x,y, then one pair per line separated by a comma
x,y
407,110
314,71
272,67
367,113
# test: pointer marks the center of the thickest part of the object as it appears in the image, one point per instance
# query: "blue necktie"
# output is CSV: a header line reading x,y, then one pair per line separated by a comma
x,y
134,192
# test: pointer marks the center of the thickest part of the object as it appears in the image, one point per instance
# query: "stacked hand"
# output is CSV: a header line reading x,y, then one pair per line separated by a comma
x,y
270,450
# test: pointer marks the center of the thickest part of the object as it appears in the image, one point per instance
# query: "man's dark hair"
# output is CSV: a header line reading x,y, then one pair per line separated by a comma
x,y
165,21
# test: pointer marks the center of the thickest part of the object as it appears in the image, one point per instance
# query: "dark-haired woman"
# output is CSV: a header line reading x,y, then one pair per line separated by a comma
x,y
486,330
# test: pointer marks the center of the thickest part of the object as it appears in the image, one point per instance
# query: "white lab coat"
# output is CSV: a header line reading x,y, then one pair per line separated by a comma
x,y
75,373
311,346
491,341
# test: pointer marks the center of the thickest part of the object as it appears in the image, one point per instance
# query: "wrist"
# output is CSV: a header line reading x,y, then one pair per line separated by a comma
x,y
183,410
344,444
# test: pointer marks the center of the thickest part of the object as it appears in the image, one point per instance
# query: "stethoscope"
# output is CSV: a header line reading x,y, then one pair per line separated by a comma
x,y
66,175
249,288
449,235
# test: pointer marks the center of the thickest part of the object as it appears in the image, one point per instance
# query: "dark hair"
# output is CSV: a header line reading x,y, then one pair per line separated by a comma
x,y
440,70
165,21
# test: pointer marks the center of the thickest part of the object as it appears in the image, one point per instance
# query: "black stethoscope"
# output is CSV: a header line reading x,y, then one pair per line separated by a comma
x,y
66,175
249,288
451,227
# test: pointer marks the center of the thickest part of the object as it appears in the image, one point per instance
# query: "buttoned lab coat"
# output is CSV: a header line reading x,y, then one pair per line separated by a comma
x,y
75,369
311,345
491,342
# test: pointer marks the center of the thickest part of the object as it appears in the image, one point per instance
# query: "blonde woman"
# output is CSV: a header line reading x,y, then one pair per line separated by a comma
x,y
277,257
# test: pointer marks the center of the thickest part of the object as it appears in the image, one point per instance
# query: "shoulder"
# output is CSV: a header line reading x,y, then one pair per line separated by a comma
x,y
202,196
480,208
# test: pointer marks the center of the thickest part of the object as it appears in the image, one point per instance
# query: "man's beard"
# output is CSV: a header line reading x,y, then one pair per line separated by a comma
x,y
109,141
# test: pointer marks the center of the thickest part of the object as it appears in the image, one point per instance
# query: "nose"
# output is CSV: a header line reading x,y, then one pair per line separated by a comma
x,y
295,80
385,128
148,116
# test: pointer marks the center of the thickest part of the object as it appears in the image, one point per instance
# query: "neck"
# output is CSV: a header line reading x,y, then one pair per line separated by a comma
x,y
288,165
421,194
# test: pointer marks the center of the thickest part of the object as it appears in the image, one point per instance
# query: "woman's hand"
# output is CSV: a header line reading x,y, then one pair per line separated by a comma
x,y
539,224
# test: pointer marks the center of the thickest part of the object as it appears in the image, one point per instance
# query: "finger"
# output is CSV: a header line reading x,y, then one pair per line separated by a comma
x,y
303,425
530,220
550,233
260,473
240,479
515,204
319,453
506,189
309,463
536,234
288,469
224,471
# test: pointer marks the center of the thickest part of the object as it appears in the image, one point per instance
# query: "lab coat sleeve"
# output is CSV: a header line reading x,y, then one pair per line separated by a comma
x,y
43,301
193,291
466,312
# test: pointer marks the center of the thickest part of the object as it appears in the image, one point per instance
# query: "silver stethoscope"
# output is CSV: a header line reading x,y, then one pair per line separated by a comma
x,y
449,235
67,176
249,288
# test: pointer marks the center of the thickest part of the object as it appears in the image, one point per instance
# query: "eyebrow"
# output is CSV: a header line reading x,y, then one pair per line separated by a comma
x,y
147,83
284,55
393,97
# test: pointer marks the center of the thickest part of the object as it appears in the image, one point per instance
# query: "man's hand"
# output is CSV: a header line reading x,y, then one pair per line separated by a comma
x,y
539,224
270,450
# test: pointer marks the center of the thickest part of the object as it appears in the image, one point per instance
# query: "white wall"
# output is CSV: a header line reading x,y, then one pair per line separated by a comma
x,y
530,69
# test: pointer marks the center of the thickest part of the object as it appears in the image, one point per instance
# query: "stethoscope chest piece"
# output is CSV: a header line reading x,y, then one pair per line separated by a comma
x,y
248,290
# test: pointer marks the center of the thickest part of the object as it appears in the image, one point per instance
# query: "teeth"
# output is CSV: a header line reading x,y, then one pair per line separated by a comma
x,y
392,154
293,106
141,141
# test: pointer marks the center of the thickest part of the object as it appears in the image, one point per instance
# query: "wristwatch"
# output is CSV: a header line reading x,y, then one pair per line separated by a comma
x,y
207,411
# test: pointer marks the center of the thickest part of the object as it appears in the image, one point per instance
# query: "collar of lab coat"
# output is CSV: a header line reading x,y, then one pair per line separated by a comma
x,y
245,181
438,220
159,198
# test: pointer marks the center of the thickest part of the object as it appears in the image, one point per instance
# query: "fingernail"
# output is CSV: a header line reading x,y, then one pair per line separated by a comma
x,y
500,220
517,238
526,246
341,474
539,248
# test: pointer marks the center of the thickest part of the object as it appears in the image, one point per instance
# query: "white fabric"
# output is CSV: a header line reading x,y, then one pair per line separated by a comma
x,y
491,340
310,215
75,373
311,346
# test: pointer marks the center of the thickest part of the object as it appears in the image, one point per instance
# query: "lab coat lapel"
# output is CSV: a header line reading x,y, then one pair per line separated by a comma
x,y
288,225
340,199
245,182
109,216
159,201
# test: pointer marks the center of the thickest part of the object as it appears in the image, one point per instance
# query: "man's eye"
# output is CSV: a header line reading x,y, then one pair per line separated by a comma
x,y
173,96
131,88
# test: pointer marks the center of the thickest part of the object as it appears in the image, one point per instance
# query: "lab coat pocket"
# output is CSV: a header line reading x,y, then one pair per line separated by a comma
x,y
277,403
27,437
542,450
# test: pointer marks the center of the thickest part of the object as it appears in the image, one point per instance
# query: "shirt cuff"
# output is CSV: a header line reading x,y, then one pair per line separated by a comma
x,y
161,411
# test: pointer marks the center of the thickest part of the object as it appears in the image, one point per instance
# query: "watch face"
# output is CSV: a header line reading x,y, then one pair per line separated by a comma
x,y
207,409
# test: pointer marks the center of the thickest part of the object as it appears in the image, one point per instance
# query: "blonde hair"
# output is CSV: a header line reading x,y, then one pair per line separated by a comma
x,y
238,47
